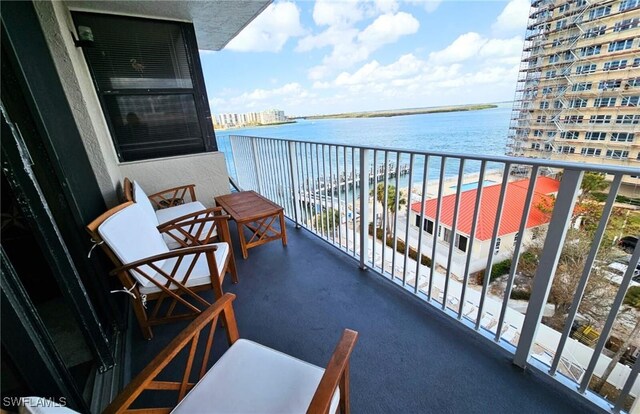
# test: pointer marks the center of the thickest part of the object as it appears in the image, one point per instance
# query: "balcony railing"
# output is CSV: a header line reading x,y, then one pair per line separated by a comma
x,y
483,212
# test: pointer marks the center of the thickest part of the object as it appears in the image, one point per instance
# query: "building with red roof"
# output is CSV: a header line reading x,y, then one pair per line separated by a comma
x,y
512,212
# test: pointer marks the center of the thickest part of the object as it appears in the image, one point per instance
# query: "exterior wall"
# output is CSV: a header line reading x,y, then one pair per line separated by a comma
x,y
208,170
56,23
551,57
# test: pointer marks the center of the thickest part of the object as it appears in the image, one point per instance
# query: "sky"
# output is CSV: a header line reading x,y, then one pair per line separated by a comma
x,y
332,56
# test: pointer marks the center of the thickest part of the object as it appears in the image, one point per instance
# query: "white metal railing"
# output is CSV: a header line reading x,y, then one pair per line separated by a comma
x,y
345,195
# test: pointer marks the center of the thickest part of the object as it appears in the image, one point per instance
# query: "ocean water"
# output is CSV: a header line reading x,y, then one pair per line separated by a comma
x,y
473,132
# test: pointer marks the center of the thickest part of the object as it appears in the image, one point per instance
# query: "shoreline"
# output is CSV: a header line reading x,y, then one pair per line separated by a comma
x,y
256,126
401,112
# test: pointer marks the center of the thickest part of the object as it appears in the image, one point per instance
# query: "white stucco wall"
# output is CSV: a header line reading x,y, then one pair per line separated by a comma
x,y
57,25
207,171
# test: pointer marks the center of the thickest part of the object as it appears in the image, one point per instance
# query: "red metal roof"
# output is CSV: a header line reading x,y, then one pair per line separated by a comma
x,y
511,212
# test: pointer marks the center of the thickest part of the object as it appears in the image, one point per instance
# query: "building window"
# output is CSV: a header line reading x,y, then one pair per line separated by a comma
x,y
599,12
551,134
557,104
544,104
537,133
461,242
622,137
535,146
578,103
566,149
630,100
547,90
148,78
447,235
615,65
428,226
626,25
617,154
541,119
620,45
600,119
633,82
583,69
417,223
569,134
590,152
573,119
561,24
627,4
602,102
581,86
554,58
627,119
550,74
590,50
609,84
595,136
595,31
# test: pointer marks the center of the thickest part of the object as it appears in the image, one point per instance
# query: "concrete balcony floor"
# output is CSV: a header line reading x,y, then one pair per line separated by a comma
x,y
410,357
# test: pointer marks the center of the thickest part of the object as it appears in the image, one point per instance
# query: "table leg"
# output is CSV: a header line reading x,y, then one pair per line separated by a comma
x,y
243,242
283,229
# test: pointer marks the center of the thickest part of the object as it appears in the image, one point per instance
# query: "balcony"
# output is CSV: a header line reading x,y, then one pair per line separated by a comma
x,y
475,206
410,357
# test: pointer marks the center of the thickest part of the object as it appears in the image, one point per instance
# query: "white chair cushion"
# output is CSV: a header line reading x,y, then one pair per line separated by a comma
x,y
132,236
251,378
167,214
200,274
140,197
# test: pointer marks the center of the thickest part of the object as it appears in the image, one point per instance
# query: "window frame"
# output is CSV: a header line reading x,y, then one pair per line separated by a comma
x,y
198,90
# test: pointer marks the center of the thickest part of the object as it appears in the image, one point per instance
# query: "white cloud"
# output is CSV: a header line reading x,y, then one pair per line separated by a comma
x,y
463,48
388,28
270,30
429,5
351,46
337,13
503,47
513,18
290,94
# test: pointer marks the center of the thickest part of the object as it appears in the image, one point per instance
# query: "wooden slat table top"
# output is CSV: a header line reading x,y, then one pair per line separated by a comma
x,y
247,205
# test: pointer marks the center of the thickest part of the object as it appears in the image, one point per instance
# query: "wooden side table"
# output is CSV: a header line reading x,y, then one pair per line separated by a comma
x,y
258,215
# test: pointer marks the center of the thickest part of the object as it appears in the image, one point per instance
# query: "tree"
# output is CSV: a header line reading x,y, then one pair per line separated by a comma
x,y
632,300
591,182
391,203
599,291
328,220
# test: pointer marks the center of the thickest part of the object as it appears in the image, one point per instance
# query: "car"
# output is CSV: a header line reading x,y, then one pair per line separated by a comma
x,y
628,243
616,270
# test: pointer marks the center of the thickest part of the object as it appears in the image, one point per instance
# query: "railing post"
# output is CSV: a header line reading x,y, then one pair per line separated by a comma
x,y
560,221
295,184
364,206
254,154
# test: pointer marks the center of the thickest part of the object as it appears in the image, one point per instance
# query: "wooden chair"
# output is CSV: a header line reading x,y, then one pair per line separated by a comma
x,y
249,377
150,272
167,206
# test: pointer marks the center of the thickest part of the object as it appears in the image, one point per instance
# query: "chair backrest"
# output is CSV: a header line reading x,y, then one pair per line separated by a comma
x,y
130,236
127,189
336,374
141,198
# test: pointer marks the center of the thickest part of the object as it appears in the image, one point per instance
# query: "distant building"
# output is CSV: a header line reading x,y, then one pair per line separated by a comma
x,y
233,120
579,86
512,213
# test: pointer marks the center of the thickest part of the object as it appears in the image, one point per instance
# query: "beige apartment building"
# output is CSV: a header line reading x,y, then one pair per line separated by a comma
x,y
578,92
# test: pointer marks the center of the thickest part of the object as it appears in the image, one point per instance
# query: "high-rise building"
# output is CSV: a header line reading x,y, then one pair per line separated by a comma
x,y
578,92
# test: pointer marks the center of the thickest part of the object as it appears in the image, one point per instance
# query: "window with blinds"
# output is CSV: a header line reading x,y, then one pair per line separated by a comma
x,y
148,78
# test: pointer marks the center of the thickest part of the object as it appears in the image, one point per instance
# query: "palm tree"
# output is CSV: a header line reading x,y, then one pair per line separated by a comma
x,y
391,203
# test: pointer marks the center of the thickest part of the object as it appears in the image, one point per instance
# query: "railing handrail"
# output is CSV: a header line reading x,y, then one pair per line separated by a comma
x,y
565,165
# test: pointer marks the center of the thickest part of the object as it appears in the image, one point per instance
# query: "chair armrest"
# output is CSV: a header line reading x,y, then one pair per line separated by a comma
x,y
147,378
336,373
173,196
191,229
149,261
